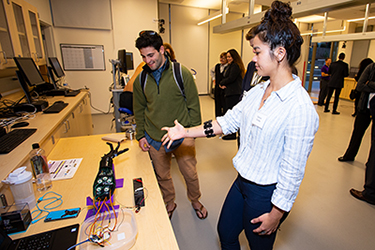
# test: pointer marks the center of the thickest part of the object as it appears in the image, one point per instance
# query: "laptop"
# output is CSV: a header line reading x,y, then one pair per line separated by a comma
x,y
58,239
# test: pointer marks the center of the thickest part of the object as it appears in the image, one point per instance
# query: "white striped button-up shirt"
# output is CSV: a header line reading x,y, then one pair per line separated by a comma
x,y
276,140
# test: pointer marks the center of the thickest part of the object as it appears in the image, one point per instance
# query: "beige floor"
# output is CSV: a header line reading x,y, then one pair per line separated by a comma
x,y
324,216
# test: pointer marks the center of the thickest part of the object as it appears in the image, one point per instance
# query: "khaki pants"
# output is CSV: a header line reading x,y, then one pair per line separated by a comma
x,y
185,156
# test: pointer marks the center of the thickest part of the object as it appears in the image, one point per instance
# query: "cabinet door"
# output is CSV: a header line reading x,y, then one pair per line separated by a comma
x,y
84,117
6,46
24,30
35,34
17,27
80,120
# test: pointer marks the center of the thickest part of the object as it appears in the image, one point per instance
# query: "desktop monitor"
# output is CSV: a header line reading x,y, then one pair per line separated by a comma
x,y
126,61
30,71
56,67
129,60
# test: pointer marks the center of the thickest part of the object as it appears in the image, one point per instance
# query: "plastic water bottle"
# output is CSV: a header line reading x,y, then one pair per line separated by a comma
x,y
40,168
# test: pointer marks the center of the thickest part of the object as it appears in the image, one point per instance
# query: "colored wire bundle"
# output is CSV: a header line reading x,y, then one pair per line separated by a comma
x,y
100,231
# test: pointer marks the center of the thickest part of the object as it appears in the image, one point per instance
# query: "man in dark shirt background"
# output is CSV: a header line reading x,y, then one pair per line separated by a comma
x,y
324,79
338,71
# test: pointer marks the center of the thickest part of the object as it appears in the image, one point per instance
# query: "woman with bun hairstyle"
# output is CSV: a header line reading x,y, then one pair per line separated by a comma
x,y
278,123
232,83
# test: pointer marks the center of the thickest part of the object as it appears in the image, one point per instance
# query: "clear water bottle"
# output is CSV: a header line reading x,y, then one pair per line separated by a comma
x,y
40,168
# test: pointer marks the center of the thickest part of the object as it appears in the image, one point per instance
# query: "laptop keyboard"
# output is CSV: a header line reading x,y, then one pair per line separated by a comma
x,y
10,141
36,242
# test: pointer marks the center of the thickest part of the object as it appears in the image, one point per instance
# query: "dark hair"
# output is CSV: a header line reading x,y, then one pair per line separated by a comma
x,y
223,54
327,58
250,34
277,29
362,65
148,38
342,56
172,54
237,59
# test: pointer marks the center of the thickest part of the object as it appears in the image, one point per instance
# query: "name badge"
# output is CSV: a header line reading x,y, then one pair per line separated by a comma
x,y
259,120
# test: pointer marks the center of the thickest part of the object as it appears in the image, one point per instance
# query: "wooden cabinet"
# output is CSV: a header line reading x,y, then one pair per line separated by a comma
x,y
77,123
349,84
20,33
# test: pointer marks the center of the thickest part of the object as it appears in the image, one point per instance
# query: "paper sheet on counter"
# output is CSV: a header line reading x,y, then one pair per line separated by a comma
x,y
63,169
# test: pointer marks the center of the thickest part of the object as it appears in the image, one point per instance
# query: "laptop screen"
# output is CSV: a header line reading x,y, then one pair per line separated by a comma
x,y
5,240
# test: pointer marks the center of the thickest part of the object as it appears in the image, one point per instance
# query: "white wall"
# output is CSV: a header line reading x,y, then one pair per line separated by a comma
x,y
129,18
43,10
371,50
223,42
190,42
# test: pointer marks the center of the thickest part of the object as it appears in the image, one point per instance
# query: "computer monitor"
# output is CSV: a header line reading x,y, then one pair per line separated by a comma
x,y
126,61
129,60
28,68
56,67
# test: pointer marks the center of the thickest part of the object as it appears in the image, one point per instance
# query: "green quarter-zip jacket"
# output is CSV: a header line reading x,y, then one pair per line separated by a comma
x,y
158,106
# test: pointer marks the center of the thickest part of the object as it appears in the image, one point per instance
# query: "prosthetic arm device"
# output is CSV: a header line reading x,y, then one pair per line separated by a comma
x,y
105,182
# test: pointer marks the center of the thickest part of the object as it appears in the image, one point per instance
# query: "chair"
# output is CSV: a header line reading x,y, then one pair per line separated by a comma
x,y
126,110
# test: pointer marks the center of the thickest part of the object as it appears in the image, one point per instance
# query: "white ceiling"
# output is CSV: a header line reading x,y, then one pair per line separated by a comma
x,y
242,6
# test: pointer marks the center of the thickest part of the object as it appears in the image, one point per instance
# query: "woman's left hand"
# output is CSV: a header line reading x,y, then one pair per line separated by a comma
x,y
174,133
269,222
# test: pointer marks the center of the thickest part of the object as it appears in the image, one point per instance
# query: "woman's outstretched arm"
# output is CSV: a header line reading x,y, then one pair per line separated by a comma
x,y
178,131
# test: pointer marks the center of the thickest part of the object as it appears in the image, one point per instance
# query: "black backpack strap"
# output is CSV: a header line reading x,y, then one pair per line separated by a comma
x,y
143,80
177,74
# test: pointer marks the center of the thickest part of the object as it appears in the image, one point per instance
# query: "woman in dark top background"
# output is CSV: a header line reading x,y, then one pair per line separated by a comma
x,y
232,83
362,65
361,122
219,93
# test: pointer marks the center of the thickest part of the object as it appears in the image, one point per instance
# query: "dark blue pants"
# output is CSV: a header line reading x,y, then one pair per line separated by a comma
x,y
244,202
361,123
336,101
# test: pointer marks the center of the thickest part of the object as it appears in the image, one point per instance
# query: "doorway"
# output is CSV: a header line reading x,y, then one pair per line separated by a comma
x,y
318,52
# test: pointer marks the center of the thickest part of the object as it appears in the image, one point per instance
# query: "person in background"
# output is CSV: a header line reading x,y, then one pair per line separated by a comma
x,y
362,65
278,123
138,70
217,75
170,51
361,122
231,83
338,71
324,79
158,104
366,85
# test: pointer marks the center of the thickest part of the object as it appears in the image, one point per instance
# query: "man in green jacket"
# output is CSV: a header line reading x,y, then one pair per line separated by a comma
x,y
158,102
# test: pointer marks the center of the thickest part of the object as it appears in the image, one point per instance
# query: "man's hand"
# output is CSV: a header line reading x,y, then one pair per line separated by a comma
x,y
143,144
269,221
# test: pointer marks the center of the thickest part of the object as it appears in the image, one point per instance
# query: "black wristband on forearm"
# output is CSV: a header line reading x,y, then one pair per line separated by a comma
x,y
208,129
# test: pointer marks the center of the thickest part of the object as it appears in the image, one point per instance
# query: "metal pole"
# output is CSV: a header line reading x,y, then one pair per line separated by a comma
x,y
315,46
251,7
223,11
325,23
365,22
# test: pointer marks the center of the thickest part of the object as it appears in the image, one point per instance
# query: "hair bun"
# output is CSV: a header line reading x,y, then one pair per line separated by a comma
x,y
279,11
